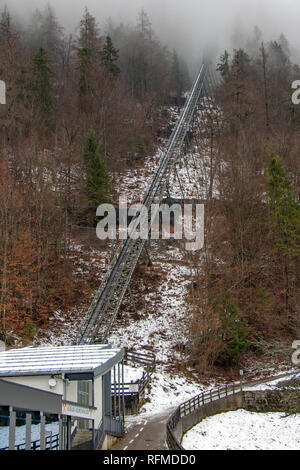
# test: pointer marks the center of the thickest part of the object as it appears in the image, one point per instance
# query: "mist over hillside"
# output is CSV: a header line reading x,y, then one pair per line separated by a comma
x,y
191,27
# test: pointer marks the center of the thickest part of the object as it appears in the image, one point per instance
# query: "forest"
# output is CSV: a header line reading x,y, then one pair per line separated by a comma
x,y
79,107
247,294
83,106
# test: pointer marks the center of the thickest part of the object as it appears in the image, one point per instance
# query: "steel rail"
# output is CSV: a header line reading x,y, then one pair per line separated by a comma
x,y
106,303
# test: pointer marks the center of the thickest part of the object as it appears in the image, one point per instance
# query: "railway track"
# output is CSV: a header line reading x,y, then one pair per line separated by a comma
x,y
107,301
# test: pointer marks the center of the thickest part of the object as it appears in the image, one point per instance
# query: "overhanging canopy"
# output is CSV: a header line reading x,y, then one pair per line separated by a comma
x,y
93,359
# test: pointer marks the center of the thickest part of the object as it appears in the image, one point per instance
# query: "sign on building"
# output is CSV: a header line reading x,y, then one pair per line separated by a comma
x,y
133,388
70,409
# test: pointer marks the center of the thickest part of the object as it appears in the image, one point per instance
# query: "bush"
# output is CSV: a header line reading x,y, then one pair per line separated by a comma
x,y
234,334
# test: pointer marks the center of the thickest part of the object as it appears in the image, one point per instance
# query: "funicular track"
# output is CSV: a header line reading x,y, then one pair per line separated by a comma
x,y
107,301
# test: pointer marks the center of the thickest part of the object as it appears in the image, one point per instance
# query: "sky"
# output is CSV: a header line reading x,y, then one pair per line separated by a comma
x,y
187,25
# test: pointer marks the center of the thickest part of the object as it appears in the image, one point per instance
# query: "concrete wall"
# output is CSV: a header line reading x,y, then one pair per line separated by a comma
x,y
270,400
230,403
259,401
108,442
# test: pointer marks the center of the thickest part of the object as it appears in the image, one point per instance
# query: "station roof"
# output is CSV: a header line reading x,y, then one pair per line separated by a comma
x,y
87,359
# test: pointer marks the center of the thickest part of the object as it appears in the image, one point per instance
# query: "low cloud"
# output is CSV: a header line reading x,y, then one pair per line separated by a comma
x,y
190,26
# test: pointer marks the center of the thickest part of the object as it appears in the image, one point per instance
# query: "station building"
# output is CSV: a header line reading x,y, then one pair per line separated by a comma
x,y
76,387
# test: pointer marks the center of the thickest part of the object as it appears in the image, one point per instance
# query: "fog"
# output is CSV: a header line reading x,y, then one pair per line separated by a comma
x,y
191,26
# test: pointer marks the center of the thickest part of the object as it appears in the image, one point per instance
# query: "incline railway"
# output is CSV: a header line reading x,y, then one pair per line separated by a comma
x,y
107,301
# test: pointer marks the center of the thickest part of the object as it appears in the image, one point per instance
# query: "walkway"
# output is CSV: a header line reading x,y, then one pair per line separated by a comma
x,y
145,433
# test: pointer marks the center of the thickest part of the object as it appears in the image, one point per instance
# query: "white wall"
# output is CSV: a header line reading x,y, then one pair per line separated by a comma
x,y
42,383
98,400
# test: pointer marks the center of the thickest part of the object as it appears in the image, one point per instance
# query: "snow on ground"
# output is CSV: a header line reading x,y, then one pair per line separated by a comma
x,y
134,182
161,324
64,329
169,391
21,433
245,430
193,179
132,374
274,384
161,327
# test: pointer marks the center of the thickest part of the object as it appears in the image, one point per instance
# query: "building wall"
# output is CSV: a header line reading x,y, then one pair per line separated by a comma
x,y
98,400
41,382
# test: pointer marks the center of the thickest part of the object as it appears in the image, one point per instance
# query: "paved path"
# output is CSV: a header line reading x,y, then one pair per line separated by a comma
x,y
145,433
149,432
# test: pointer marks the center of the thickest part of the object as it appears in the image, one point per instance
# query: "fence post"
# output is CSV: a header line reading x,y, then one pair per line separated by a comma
x,y
61,445
28,431
12,428
42,432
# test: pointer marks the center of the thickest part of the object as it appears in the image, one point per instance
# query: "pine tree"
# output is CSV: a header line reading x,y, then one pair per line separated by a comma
x,y
85,65
89,37
285,210
234,332
9,38
51,34
88,54
240,65
109,57
43,88
177,76
97,183
144,25
223,66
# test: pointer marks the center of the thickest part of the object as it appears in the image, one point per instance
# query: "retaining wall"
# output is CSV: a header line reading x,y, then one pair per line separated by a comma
x,y
229,403
257,401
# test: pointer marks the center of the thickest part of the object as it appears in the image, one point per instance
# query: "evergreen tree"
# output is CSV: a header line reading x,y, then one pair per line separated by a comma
x,y
9,38
5,25
254,42
45,31
279,61
177,76
43,87
144,25
51,34
89,36
97,183
240,65
223,66
88,54
234,332
285,210
85,66
110,56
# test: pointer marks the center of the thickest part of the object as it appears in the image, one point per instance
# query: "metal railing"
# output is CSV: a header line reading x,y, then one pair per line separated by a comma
x,y
193,404
106,303
114,426
145,359
52,443
149,362
99,436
